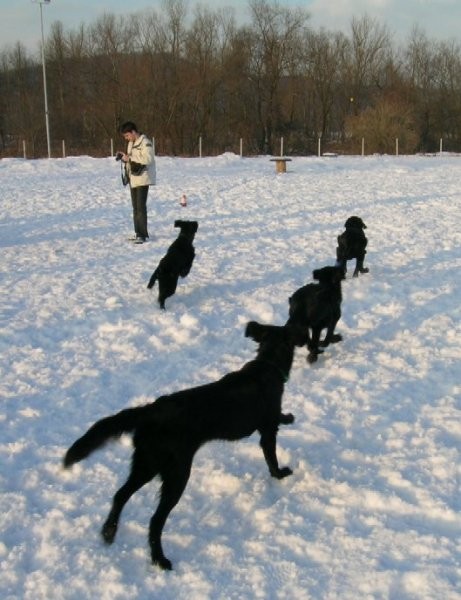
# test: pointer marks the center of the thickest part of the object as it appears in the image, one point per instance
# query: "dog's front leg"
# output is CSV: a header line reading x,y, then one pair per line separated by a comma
x,y
314,349
309,340
268,444
286,419
359,268
184,272
331,337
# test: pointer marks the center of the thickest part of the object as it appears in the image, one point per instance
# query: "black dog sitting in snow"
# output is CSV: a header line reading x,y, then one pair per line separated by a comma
x,y
352,244
168,432
176,263
317,306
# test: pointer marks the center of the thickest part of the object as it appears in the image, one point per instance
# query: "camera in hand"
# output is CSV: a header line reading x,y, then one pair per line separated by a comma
x,y
119,156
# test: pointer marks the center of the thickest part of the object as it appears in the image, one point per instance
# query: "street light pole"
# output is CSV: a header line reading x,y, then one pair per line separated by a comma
x,y
45,95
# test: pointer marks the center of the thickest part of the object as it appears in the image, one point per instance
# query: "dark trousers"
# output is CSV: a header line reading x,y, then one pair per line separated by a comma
x,y
139,202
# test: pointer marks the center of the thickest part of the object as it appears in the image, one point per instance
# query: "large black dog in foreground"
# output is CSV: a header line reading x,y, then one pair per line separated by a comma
x,y
168,432
176,263
317,306
351,244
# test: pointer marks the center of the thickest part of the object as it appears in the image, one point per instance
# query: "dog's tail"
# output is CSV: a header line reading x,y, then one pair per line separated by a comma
x,y
153,279
102,431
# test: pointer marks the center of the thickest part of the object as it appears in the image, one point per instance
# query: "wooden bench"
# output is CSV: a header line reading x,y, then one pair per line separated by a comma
x,y
281,163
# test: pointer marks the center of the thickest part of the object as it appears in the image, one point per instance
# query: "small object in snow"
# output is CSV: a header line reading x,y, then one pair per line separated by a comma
x,y
183,201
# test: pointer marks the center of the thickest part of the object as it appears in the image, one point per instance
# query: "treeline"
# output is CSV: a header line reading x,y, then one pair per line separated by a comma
x,y
183,77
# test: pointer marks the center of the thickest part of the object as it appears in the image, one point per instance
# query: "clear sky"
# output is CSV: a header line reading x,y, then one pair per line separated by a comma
x,y
440,19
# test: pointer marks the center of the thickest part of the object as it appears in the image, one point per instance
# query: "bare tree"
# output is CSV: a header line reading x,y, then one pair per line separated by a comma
x,y
276,46
368,55
180,77
208,44
381,125
325,54
21,116
433,70
448,96
164,37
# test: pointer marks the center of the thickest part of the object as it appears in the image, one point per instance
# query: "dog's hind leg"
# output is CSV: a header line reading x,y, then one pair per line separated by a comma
x,y
269,447
163,293
309,339
313,346
175,479
167,287
161,301
152,279
137,478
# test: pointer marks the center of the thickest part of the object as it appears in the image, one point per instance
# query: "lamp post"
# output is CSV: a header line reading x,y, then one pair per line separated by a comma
x,y
45,95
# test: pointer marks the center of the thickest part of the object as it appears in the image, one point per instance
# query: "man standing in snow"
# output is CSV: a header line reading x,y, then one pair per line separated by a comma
x,y
140,168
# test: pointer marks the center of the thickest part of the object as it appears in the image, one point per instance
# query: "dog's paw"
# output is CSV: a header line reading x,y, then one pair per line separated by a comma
x,y
286,418
281,473
335,338
108,532
159,559
163,563
312,356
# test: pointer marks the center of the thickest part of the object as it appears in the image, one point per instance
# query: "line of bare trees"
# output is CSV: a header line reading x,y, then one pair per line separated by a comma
x,y
181,77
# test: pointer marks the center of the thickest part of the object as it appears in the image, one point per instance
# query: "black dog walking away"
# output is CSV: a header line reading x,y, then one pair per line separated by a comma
x,y
317,306
168,432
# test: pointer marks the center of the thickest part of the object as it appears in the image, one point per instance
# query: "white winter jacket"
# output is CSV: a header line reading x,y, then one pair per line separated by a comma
x,y
142,151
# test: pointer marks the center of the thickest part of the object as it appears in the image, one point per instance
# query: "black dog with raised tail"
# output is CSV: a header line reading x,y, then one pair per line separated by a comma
x,y
176,263
168,432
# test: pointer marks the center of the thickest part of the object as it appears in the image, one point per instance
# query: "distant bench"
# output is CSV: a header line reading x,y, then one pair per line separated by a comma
x,y
281,164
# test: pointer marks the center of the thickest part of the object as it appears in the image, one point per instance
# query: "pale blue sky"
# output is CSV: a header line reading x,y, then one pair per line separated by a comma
x,y
439,19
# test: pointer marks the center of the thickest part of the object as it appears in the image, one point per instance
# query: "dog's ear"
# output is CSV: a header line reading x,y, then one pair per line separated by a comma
x,y
318,274
190,226
253,330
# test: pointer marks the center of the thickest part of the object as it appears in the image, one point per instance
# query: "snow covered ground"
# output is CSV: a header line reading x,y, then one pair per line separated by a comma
x,y
372,510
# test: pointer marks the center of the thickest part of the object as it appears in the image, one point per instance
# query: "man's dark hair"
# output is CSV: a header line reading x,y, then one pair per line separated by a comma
x,y
127,127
